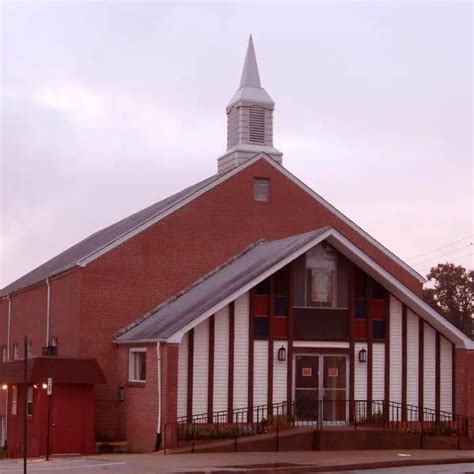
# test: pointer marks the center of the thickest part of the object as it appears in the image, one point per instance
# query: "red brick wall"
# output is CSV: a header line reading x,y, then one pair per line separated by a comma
x,y
139,274
3,342
169,394
65,310
138,413
464,380
28,318
29,315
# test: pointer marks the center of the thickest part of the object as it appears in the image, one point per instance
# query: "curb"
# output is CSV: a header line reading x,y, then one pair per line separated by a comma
x,y
331,467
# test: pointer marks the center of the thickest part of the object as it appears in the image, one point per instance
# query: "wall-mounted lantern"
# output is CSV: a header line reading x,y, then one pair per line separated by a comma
x,y
282,354
363,356
4,386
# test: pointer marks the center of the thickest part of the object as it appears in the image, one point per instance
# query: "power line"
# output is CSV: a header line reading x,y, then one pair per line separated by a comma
x,y
443,255
439,248
452,260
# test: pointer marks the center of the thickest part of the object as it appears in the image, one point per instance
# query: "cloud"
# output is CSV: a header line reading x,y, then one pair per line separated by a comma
x,y
108,107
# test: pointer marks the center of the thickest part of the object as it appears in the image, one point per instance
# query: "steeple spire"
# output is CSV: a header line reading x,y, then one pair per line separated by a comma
x,y
250,76
249,118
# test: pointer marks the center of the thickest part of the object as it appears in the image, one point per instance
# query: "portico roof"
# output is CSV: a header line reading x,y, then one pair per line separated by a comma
x,y
171,319
61,370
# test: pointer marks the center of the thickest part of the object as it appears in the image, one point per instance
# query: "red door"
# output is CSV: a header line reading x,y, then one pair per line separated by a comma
x,y
68,416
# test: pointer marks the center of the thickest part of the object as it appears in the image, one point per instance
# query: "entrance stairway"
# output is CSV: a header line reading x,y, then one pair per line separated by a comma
x,y
357,425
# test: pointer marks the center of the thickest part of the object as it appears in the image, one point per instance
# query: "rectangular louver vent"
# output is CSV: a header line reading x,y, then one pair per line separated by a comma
x,y
257,125
261,189
232,125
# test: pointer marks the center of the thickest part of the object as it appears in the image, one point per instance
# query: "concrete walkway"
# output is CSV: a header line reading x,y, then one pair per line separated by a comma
x,y
262,463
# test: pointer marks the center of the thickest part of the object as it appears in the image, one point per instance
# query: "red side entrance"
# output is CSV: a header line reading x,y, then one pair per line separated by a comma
x,y
72,406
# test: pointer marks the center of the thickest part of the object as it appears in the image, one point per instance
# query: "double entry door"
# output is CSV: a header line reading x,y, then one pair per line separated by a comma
x,y
321,388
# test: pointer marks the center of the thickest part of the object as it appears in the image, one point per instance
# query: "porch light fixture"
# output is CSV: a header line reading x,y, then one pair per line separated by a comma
x,y
363,356
4,386
44,386
282,354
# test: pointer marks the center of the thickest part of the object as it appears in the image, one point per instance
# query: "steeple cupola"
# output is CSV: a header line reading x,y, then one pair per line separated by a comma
x,y
249,118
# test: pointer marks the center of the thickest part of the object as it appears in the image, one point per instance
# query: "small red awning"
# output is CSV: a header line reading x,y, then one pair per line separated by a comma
x,y
62,370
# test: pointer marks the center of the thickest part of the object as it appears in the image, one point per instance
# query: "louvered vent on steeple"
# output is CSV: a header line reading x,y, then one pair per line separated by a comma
x,y
257,125
249,118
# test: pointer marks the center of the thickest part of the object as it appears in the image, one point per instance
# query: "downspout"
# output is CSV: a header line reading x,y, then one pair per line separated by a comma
x,y
48,311
158,360
9,325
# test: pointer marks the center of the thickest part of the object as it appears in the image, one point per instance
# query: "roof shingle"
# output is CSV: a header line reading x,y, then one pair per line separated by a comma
x,y
172,316
72,256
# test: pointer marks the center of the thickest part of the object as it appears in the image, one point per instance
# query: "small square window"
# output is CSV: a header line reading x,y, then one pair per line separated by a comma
x,y
14,400
30,349
261,189
260,327
378,291
281,305
361,309
137,365
54,342
378,328
29,402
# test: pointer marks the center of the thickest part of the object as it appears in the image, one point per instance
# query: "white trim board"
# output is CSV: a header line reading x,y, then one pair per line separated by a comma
x,y
322,344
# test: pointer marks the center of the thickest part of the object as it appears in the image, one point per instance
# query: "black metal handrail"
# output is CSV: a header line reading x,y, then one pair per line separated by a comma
x,y
261,419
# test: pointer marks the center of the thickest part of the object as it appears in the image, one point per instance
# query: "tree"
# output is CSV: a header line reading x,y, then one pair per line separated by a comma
x,y
452,294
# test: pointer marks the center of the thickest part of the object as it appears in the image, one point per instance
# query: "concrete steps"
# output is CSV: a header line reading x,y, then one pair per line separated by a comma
x,y
108,447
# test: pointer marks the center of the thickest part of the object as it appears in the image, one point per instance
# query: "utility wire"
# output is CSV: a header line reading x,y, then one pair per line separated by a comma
x,y
452,260
439,248
443,255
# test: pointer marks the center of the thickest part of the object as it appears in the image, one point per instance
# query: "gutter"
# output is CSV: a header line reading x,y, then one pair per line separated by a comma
x,y
9,325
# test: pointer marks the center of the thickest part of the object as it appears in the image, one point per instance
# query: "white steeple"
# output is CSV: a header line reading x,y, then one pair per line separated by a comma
x,y
250,76
249,118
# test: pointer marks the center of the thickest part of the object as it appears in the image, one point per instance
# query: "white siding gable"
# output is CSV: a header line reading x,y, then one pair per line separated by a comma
x,y
241,362
200,367
395,350
221,359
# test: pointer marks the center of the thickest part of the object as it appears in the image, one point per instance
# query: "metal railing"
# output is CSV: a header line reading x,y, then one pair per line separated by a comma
x,y
320,414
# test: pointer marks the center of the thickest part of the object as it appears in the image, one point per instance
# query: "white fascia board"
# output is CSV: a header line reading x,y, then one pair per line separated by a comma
x,y
347,221
136,341
137,230
177,336
400,291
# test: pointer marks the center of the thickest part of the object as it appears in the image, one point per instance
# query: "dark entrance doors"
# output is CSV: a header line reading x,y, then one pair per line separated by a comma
x,y
321,388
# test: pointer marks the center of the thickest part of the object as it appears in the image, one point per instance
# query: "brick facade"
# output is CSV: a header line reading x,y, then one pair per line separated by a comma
x,y
89,305
464,383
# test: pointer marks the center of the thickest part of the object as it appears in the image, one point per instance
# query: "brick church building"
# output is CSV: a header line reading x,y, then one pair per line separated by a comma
x,y
245,289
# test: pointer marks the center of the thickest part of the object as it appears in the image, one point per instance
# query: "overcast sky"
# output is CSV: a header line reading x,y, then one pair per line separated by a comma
x,y
109,107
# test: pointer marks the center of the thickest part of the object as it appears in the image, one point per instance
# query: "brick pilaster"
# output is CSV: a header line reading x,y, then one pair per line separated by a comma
x,y
169,394
464,383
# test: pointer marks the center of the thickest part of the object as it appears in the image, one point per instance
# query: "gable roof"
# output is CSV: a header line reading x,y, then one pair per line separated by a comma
x,y
108,238
173,315
80,252
170,320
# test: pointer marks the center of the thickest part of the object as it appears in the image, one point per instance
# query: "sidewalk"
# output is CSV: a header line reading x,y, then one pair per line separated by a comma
x,y
236,463
301,461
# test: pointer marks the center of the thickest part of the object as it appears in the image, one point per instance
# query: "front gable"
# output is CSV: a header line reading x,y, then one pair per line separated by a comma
x,y
326,288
